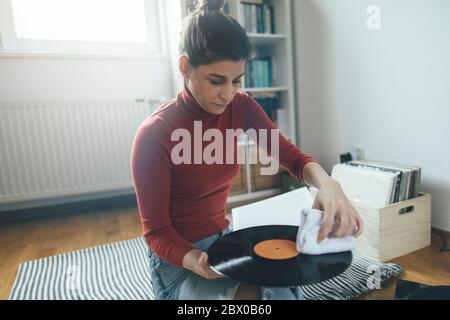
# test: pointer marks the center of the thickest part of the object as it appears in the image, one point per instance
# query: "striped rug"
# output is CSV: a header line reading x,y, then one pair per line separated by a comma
x,y
119,271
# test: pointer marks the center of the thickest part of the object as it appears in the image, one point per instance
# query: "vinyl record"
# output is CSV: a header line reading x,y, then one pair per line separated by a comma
x,y
267,256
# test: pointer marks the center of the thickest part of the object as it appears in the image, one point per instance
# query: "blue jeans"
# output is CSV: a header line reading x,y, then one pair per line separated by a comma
x,y
172,283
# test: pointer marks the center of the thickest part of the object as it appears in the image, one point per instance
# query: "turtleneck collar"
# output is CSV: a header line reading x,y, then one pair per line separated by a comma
x,y
192,107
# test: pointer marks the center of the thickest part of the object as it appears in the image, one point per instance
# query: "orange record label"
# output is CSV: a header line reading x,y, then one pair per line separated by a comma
x,y
276,249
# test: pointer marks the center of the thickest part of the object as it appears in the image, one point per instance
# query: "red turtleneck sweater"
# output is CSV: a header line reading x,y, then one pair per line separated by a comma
x,y
182,204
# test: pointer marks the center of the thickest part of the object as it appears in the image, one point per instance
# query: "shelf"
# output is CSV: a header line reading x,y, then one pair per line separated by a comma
x,y
253,195
279,46
244,143
267,35
265,38
265,89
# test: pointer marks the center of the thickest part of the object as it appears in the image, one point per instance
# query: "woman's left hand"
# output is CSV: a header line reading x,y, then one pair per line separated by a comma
x,y
340,219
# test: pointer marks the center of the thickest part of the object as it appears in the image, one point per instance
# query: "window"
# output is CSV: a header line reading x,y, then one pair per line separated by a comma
x,y
88,26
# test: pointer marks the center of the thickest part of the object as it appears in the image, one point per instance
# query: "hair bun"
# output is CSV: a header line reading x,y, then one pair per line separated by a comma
x,y
210,5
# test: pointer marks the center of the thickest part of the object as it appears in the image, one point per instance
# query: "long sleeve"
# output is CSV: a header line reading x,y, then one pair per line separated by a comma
x,y
151,172
290,157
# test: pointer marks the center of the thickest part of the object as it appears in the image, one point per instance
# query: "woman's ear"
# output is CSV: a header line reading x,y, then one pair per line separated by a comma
x,y
184,66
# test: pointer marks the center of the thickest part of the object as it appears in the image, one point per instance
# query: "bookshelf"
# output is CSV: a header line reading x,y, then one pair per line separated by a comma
x,y
272,40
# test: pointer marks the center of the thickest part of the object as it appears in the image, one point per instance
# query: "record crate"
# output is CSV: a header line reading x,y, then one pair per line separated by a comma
x,y
396,229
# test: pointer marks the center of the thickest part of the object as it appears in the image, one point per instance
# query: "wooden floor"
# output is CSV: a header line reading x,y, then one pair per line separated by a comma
x,y
31,239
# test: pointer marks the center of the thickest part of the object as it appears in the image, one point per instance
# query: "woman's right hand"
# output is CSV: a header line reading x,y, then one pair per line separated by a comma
x,y
197,261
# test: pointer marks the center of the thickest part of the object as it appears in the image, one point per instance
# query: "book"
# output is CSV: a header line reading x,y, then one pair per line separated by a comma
x,y
269,102
257,17
268,19
259,73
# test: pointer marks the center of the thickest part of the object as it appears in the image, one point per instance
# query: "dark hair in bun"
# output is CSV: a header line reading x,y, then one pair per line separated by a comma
x,y
211,5
209,35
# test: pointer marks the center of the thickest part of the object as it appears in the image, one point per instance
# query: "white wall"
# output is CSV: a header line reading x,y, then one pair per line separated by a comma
x,y
386,90
47,78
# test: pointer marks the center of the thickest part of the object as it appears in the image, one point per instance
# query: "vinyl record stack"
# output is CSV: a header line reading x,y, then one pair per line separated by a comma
x,y
406,179
397,217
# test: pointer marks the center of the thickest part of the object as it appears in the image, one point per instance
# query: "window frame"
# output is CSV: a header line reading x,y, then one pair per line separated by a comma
x,y
10,45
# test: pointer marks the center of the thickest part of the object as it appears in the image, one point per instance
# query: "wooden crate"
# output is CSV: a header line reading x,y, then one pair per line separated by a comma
x,y
389,234
239,183
262,182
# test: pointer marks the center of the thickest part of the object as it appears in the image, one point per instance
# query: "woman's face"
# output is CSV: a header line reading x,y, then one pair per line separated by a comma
x,y
213,85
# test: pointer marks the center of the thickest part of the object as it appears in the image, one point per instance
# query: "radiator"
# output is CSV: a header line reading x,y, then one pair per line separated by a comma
x,y
58,149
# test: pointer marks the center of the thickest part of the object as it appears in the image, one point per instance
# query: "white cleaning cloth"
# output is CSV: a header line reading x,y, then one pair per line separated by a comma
x,y
310,223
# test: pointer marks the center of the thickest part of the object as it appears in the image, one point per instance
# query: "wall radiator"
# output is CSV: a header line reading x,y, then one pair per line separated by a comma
x,y
59,149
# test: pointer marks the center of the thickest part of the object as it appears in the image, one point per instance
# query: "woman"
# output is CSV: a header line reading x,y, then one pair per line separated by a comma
x,y
181,204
